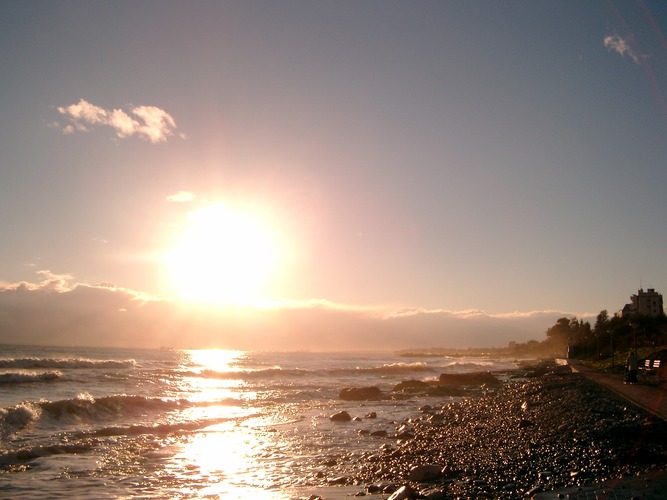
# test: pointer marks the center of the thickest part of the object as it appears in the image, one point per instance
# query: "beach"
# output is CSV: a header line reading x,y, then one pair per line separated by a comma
x,y
550,430
109,423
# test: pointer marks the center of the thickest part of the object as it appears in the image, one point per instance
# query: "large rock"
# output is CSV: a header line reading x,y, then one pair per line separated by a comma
x,y
404,493
475,378
425,472
341,416
361,393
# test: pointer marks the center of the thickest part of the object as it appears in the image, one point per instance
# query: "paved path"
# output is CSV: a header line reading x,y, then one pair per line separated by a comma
x,y
651,397
647,486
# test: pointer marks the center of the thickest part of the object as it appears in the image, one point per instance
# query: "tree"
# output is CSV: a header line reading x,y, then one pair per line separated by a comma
x,y
559,334
601,322
570,333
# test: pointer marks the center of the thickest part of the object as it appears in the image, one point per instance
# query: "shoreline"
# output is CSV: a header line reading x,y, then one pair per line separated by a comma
x,y
547,429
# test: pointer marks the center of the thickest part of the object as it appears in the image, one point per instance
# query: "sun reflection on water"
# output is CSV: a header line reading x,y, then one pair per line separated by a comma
x,y
222,458
208,382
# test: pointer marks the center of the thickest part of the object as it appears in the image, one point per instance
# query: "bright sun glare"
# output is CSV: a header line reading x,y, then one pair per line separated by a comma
x,y
222,256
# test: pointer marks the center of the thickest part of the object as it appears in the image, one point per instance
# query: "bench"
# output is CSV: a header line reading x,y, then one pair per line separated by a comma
x,y
650,369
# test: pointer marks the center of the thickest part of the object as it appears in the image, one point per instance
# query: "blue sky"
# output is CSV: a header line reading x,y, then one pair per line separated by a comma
x,y
506,158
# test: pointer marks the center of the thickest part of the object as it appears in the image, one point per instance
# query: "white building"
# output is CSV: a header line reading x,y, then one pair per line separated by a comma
x,y
646,303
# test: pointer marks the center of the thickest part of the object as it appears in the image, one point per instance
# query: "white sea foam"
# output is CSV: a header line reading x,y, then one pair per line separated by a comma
x,y
17,417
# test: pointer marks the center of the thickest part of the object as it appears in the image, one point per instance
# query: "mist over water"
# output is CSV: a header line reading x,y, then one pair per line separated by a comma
x,y
163,423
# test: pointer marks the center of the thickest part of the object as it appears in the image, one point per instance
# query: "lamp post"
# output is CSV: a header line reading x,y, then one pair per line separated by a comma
x,y
611,338
597,338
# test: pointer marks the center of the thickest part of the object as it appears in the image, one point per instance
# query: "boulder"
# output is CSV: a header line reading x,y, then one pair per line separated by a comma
x,y
427,472
404,493
475,378
411,386
361,393
341,416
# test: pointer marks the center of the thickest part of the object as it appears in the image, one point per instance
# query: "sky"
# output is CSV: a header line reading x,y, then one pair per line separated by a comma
x,y
327,175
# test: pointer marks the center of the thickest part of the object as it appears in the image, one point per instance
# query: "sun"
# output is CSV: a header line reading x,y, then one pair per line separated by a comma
x,y
222,256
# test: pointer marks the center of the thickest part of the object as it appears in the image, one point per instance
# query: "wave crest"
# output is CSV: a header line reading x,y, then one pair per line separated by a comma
x,y
16,418
66,363
23,376
389,368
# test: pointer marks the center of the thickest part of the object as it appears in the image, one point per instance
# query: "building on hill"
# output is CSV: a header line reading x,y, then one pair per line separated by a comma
x,y
646,303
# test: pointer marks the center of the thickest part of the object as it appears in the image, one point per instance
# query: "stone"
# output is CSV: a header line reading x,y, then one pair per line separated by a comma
x,y
525,423
534,491
404,493
361,394
475,378
405,435
341,416
338,480
426,472
434,494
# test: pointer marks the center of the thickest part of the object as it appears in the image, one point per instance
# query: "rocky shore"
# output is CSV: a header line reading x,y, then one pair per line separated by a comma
x,y
544,429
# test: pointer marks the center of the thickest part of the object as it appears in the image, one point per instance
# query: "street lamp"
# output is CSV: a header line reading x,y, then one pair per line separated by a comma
x,y
597,338
611,338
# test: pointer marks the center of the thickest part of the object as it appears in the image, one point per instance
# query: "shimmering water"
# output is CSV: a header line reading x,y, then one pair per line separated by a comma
x,y
109,423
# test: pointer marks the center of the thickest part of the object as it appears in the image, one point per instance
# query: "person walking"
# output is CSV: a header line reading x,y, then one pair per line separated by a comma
x,y
631,367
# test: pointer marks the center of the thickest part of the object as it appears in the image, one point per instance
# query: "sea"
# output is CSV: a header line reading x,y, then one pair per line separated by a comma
x,y
168,423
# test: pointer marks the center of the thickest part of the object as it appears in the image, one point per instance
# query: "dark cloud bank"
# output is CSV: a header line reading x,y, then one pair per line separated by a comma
x,y
57,312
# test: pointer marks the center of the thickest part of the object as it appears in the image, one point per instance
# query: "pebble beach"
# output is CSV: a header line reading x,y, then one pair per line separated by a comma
x,y
544,429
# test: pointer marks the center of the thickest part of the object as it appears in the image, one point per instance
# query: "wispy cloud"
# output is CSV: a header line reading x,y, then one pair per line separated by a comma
x,y
621,46
146,122
182,197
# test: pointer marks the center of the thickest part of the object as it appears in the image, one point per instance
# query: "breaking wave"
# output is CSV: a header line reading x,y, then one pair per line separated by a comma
x,y
84,441
388,369
398,368
86,409
65,363
16,418
21,376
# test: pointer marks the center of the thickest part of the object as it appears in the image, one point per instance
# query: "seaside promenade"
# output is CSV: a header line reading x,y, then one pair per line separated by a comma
x,y
650,397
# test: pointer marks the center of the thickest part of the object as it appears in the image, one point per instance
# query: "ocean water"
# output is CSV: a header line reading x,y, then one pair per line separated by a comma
x,y
110,423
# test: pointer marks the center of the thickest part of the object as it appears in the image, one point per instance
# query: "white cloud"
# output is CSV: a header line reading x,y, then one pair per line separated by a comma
x,y
621,47
122,123
84,113
147,122
157,123
182,197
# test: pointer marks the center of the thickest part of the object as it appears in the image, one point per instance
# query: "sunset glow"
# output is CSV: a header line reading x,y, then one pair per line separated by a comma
x,y
276,170
221,256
